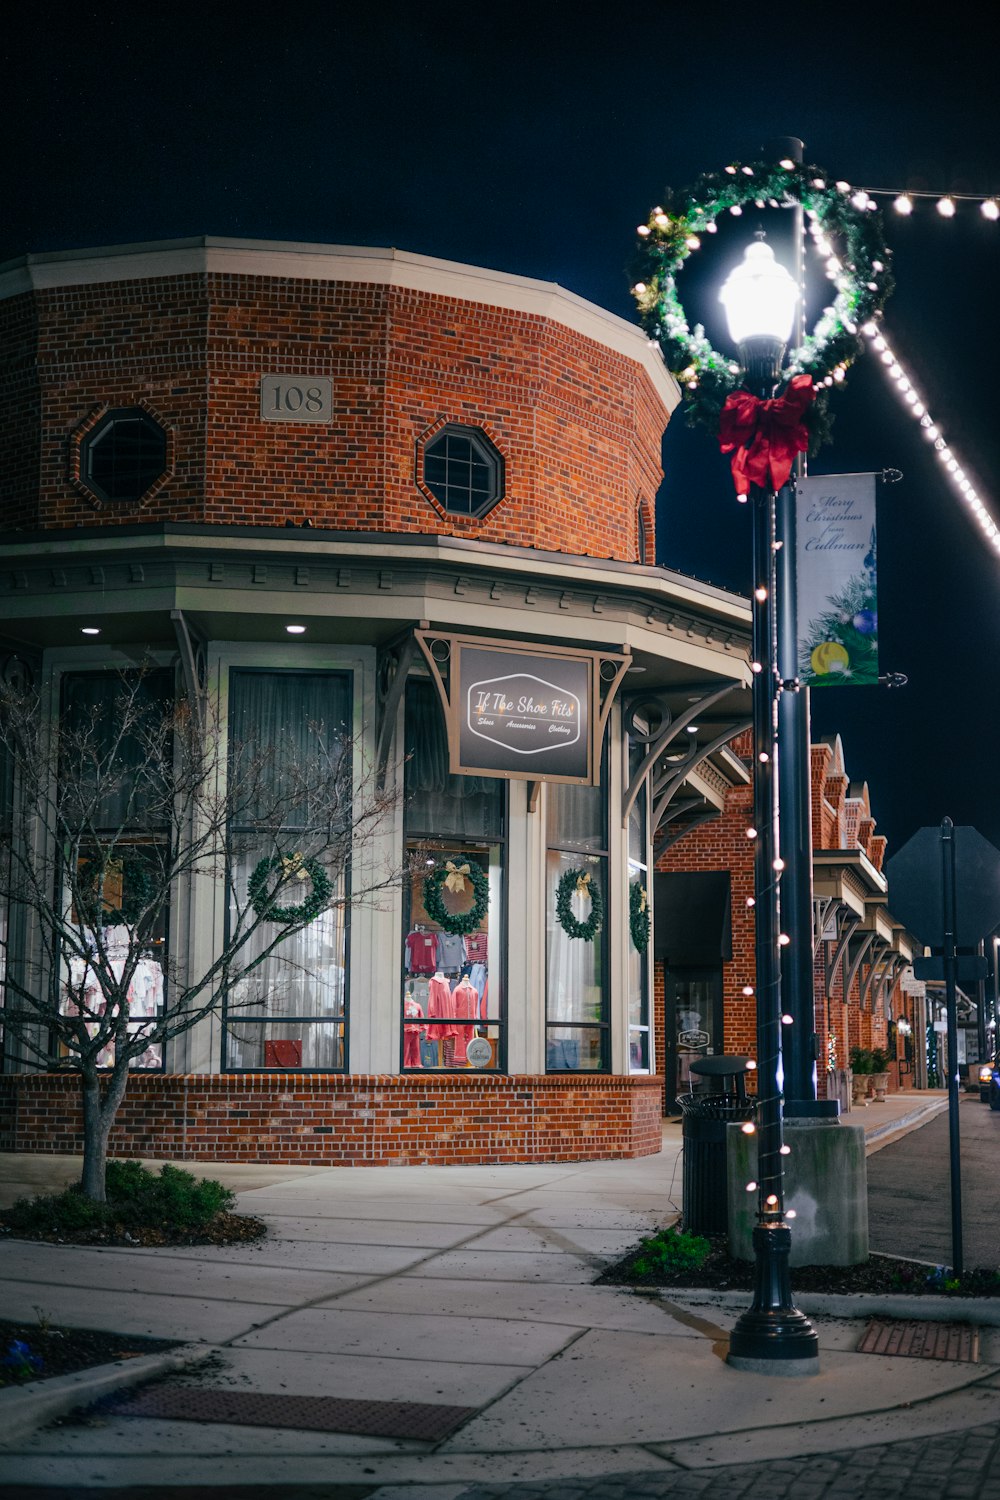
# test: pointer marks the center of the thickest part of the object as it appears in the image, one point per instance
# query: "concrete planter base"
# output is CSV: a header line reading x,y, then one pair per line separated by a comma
x,y
826,1183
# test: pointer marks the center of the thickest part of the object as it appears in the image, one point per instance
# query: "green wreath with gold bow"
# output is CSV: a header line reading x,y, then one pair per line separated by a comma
x,y
452,877
846,231
582,881
136,883
293,867
638,916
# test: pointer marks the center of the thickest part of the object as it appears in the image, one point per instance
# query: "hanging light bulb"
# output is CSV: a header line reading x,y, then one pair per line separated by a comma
x,y
990,209
946,207
903,204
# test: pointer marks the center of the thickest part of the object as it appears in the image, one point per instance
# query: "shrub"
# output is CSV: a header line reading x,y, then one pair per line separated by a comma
x,y
136,1199
669,1251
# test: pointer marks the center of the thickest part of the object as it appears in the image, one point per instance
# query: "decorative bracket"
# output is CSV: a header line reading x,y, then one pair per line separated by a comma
x,y
822,911
194,665
667,729
852,965
394,662
850,927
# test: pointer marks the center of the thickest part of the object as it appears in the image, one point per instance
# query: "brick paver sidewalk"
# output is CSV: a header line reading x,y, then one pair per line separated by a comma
x,y
950,1466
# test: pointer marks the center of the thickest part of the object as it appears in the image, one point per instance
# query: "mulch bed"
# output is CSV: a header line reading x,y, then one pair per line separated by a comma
x,y
64,1350
223,1229
880,1274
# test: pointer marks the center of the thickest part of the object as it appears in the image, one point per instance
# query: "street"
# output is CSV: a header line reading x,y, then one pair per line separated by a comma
x,y
908,1190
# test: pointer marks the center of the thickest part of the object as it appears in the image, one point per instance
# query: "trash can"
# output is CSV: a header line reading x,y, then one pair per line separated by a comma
x,y
707,1111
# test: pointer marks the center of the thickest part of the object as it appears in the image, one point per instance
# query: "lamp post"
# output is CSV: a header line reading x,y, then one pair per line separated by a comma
x,y
759,297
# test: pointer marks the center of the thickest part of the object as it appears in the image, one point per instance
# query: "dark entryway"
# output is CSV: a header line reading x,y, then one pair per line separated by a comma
x,y
692,938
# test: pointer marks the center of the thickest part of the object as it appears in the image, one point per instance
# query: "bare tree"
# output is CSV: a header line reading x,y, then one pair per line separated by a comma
x,y
115,812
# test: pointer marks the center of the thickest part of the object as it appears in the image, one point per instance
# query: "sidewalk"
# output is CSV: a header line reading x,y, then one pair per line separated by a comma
x,y
468,1287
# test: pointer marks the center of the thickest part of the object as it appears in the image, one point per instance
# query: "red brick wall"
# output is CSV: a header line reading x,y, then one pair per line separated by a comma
x,y
338,1120
579,425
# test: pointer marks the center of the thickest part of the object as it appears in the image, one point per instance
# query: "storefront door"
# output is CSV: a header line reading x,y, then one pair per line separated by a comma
x,y
693,1025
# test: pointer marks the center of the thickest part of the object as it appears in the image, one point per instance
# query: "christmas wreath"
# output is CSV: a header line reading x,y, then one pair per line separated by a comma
x,y
452,877
582,881
135,882
638,916
859,269
292,867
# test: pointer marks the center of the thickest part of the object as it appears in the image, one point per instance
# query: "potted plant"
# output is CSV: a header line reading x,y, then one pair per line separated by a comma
x,y
880,1073
861,1070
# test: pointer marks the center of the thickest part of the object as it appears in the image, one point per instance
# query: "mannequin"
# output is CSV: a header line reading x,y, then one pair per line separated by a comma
x,y
465,999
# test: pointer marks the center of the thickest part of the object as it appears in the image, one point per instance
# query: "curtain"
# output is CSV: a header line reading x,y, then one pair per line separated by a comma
x,y
438,803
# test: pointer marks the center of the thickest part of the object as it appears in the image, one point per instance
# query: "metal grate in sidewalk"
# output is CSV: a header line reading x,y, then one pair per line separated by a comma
x,y
916,1339
390,1419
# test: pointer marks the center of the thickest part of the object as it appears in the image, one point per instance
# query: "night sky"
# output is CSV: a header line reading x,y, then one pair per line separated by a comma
x,y
533,139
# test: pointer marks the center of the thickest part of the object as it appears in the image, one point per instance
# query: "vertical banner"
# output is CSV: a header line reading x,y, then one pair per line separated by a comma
x,y
836,580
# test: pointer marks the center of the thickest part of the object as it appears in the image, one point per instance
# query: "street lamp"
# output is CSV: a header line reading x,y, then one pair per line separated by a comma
x,y
772,1336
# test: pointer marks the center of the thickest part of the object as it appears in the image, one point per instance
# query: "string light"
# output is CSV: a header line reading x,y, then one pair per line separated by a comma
x,y
784,1150
786,1019
748,989
751,833
771,1200
751,1187
905,201
748,1127
791,1214
904,384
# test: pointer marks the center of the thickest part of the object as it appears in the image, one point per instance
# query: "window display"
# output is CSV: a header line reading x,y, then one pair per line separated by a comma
x,y
577,1033
450,1015
454,901
290,1010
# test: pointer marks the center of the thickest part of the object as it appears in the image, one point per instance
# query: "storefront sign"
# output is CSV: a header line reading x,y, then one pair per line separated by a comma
x,y
836,576
523,713
520,711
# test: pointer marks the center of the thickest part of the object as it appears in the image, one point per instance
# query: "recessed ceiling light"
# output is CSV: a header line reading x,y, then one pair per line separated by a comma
x,y
296,629
90,630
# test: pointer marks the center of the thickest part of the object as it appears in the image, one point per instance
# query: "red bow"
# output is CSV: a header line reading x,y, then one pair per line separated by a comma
x,y
764,436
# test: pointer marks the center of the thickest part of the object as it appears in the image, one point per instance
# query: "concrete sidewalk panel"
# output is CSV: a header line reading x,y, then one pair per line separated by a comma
x,y
408,1233
620,1387
313,1255
601,1244
191,1318
360,1377
160,1272
511,1265
578,1307
425,1335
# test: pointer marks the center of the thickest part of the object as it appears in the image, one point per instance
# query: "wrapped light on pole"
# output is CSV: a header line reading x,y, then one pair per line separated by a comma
x,y
760,298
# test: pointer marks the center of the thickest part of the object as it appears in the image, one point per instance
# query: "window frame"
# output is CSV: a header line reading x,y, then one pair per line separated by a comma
x,y
603,855
103,429
236,670
484,450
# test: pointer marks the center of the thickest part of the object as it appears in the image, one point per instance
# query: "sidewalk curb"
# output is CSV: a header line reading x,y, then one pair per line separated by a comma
x,y
856,1305
904,1123
25,1408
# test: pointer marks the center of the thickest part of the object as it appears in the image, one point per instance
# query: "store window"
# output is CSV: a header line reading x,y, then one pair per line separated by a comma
x,y
463,470
640,928
454,900
289,732
577,1029
123,455
112,801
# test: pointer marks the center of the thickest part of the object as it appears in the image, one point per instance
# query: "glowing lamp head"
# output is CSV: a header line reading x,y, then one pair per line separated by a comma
x,y
759,296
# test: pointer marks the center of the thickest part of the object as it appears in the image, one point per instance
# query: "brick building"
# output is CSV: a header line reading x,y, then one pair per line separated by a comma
x,y
705,939
305,481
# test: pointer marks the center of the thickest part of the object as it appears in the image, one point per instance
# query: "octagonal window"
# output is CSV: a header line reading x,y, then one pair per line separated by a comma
x,y
463,470
123,455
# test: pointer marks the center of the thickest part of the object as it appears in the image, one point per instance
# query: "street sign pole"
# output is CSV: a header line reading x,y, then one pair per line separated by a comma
x,y
951,999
